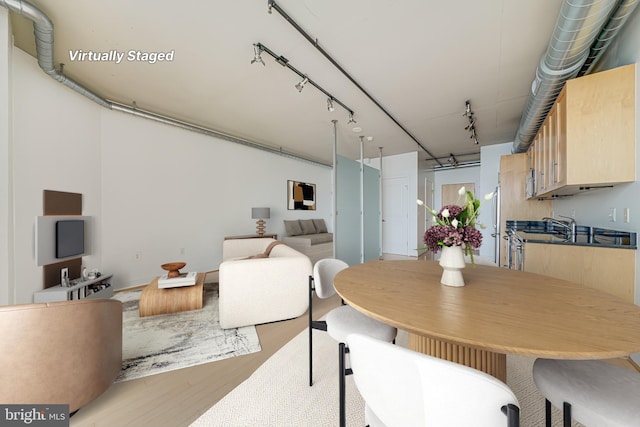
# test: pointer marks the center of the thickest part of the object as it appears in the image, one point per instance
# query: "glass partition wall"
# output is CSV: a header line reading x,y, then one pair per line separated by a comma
x,y
357,219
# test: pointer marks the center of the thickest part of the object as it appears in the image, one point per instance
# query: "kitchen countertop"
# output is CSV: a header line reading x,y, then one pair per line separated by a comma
x,y
549,233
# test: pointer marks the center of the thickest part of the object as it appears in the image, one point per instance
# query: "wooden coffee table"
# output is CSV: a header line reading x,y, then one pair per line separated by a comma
x,y
155,301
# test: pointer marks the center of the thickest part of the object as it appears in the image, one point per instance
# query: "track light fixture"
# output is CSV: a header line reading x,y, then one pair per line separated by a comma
x,y
452,160
473,135
257,52
471,127
330,106
351,119
471,124
467,111
300,85
259,48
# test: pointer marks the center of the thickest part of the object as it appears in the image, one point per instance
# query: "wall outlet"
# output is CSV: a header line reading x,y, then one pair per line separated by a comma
x,y
612,214
64,276
137,256
626,215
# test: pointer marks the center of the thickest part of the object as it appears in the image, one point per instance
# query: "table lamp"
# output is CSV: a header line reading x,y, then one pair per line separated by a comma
x,y
260,214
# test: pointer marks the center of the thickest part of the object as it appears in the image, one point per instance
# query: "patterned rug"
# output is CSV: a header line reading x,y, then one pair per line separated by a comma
x,y
155,344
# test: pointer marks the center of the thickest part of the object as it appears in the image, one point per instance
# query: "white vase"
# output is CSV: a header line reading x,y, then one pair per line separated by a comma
x,y
452,263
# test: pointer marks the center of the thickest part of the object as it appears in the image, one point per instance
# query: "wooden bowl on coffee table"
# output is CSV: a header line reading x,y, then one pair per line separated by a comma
x,y
173,268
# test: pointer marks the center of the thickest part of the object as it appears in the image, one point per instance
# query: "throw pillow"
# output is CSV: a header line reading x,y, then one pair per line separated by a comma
x,y
321,227
307,226
267,251
257,256
292,227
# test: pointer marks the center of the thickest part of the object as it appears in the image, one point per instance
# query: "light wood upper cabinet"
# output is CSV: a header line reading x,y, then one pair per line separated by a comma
x,y
588,139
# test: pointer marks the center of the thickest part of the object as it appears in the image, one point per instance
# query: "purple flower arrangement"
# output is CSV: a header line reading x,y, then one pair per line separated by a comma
x,y
455,225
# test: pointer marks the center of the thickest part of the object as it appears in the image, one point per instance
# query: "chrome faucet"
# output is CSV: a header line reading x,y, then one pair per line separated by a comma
x,y
568,226
572,227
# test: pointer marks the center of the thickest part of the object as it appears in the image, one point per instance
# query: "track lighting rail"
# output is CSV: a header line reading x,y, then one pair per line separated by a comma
x,y
474,153
273,5
454,161
305,78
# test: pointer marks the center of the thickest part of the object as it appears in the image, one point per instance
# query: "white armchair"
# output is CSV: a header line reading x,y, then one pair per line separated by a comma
x,y
261,290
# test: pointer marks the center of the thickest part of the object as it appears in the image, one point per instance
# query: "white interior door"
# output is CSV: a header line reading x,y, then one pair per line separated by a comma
x,y
395,216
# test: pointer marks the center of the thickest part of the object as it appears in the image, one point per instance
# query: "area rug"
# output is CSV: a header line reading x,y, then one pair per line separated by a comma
x,y
278,393
155,344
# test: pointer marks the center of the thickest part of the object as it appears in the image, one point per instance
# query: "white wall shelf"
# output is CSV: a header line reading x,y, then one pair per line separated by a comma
x,y
100,287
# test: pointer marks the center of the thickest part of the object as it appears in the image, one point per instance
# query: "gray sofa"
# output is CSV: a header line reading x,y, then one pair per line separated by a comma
x,y
309,236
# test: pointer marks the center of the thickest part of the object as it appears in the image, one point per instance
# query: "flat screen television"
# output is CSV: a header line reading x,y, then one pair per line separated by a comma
x,y
45,234
69,238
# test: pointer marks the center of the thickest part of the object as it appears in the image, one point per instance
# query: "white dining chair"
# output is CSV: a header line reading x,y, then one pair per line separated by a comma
x,y
592,392
404,388
340,322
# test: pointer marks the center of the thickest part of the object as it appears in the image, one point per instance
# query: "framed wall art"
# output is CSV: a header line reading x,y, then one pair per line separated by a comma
x,y
301,196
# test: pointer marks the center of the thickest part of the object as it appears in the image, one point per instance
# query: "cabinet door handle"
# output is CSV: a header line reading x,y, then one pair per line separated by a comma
x,y
529,187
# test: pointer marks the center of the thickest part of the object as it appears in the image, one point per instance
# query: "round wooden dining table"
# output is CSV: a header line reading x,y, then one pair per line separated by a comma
x,y
498,312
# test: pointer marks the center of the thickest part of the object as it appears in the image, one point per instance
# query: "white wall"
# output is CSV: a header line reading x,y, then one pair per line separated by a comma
x,y
165,189
56,146
6,215
152,188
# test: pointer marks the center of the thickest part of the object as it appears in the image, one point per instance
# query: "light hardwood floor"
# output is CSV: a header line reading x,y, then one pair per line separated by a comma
x,y
178,398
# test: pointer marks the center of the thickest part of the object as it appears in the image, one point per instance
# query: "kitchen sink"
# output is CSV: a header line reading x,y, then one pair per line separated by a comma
x,y
550,232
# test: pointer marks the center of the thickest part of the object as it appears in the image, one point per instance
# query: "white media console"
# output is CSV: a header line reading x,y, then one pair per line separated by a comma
x,y
79,289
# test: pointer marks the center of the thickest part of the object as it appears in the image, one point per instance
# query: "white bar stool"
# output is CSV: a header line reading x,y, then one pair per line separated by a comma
x,y
591,392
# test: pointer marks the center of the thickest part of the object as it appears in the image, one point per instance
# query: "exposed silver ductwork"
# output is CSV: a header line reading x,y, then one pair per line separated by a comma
x,y
583,31
43,30
615,23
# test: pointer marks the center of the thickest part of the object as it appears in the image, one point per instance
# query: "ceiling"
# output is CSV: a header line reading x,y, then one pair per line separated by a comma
x,y
421,60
